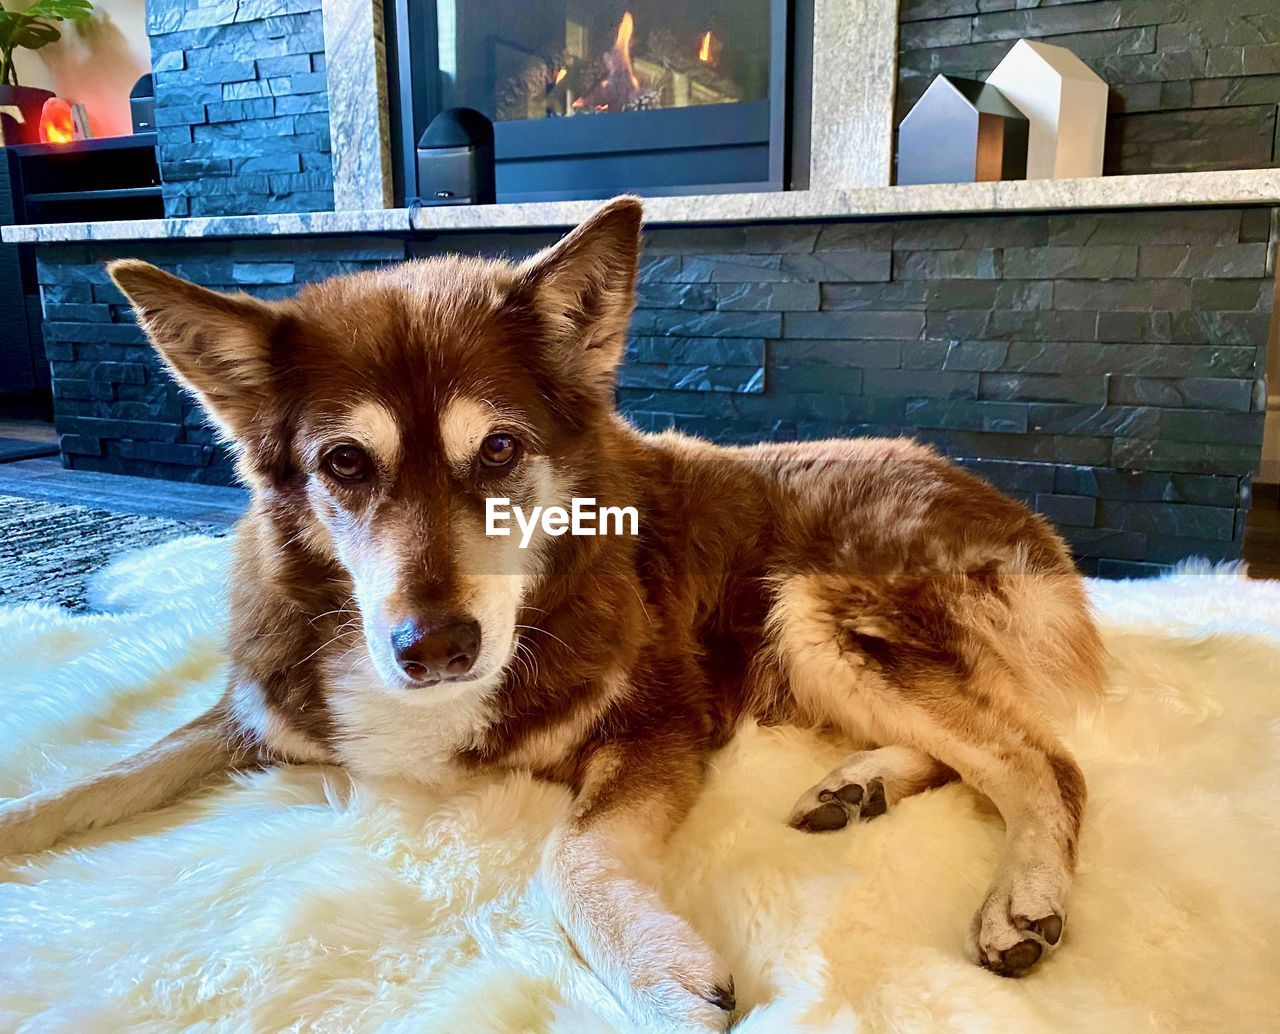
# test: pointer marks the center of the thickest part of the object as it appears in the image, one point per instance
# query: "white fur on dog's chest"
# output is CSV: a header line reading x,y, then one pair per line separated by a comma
x,y
404,734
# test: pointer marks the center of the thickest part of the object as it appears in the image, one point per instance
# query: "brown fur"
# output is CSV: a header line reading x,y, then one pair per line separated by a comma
x,y
864,584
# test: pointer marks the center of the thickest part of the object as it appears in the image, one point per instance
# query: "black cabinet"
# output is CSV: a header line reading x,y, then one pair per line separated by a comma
x,y
24,373
84,181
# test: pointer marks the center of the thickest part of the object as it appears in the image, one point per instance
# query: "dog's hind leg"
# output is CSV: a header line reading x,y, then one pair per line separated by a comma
x,y
865,786
149,779
909,660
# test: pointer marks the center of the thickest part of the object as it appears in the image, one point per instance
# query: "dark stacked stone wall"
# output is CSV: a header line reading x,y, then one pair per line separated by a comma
x,y
1105,368
1195,83
115,408
242,106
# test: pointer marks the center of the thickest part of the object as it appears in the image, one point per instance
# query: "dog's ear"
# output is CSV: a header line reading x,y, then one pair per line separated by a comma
x,y
216,344
584,288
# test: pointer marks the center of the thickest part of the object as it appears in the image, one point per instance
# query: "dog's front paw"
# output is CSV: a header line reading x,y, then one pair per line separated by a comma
x,y
672,980
670,1005
1012,932
680,980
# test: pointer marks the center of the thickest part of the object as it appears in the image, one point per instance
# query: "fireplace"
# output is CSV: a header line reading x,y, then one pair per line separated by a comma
x,y
591,98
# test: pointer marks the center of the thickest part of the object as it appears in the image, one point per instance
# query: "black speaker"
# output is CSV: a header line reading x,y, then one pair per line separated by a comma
x,y
455,159
142,105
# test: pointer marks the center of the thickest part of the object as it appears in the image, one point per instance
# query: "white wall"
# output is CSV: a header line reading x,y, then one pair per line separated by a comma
x,y
95,64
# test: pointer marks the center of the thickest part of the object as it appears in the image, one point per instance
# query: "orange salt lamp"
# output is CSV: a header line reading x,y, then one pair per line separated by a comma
x,y
57,126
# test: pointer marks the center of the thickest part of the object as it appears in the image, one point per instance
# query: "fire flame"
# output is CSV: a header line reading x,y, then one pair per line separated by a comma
x,y
560,74
704,51
620,84
626,28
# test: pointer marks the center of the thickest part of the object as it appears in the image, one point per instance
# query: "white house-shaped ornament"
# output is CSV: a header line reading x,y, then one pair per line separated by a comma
x,y
1066,104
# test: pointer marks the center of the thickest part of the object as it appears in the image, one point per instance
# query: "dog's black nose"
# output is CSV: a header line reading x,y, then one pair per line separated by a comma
x,y
428,651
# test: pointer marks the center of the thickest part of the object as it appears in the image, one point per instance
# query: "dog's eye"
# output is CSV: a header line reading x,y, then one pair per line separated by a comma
x,y
348,463
499,450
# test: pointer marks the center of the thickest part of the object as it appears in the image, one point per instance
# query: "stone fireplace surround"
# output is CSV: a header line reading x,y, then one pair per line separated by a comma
x,y
1095,347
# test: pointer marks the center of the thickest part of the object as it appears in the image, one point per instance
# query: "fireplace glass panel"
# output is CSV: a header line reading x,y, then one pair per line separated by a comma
x,y
556,59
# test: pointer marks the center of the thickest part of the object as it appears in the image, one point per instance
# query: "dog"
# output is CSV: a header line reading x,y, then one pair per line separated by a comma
x,y
380,621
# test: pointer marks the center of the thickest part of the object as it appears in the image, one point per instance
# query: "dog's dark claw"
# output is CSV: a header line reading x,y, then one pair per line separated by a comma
x,y
1050,928
723,998
1018,960
824,818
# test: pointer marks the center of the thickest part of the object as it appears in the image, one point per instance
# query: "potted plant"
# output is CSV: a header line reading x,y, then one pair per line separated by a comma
x,y
31,29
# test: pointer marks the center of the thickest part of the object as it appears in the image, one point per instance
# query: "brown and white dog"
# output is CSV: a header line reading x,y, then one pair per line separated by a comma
x,y
863,585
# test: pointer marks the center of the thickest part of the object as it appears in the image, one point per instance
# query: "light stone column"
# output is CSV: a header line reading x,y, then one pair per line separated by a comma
x,y
855,71
359,115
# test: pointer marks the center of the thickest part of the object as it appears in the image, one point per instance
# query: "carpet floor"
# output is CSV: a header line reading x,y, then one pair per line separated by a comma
x,y
48,550
22,449
298,899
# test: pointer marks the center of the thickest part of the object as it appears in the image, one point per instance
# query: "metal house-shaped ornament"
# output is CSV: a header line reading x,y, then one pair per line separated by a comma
x,y
1066,103
962,131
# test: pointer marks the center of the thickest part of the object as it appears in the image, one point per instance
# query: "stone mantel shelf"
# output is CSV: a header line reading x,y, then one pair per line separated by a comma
x,y
1248,187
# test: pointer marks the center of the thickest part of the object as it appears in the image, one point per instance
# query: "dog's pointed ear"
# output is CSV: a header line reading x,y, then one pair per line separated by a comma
x,y
584,288
216,344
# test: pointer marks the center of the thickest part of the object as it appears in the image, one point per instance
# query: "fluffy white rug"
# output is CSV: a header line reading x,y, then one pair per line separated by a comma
x,y
299,900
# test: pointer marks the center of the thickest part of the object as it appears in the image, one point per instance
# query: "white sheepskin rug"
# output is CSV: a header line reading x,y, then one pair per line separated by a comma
x,y
298,900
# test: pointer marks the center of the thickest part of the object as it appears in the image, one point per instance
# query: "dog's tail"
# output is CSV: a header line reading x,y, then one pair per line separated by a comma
x,y
162,773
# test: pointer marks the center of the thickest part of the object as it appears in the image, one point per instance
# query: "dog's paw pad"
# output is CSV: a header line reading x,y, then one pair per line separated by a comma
x,y
1010,943
875,803
1016,961
1050,928
850,794
821,811
823,819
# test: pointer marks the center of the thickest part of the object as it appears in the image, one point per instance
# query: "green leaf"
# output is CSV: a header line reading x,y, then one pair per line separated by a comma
x,y
34,35
33,28
68,10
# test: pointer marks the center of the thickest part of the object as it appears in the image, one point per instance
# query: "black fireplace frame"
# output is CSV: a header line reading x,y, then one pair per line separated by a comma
x,y
720,148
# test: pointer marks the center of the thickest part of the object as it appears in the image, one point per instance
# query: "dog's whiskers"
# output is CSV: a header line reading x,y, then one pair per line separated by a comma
x,y
329,642
535,628
525,667
344,608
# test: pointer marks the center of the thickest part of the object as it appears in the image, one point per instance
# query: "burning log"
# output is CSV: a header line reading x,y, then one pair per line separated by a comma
x,y
674,73
620,86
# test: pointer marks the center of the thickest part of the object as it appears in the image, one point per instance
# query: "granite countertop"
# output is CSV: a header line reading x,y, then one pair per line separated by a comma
x,y
1253,186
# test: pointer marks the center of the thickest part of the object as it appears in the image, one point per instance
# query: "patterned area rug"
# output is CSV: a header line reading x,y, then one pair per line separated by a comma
x,y
48,549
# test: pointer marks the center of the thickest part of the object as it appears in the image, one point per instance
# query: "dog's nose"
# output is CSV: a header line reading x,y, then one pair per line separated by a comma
x,y
428,651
